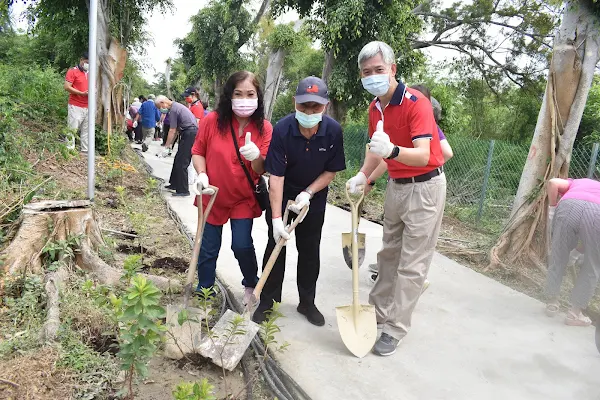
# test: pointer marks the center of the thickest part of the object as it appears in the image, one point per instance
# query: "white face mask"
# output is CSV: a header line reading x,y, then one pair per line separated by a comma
x,y
377,85
86,67
244,107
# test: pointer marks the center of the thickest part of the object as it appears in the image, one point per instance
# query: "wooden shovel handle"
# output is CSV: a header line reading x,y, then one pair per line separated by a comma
x,y
275,253
202,217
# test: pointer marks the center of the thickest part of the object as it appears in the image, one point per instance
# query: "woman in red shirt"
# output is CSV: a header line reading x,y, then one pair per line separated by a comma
x,y
240,111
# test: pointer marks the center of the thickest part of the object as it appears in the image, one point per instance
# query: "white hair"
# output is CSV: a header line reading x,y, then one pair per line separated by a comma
x,y
160,98
371,49
136,100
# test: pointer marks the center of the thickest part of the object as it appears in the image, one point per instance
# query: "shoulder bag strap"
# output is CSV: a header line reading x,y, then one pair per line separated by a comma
x,y
237,150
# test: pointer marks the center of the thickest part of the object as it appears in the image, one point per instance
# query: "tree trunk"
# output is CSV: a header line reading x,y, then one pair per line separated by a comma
x,y
168,78
274,74
574,59
336,109
218,86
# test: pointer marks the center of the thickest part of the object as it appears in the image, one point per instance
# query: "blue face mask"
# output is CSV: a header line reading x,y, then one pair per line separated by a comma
x,y
308,121
377,85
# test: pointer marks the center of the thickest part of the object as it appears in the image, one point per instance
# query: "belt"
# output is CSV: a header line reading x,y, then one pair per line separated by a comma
x,y
420,178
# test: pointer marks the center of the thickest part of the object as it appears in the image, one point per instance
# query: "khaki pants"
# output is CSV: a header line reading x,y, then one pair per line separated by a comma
x,y
412,218
77,120
148,134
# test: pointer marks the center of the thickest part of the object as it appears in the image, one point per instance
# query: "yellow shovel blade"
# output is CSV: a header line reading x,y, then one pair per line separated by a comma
x,y
359,335
347,248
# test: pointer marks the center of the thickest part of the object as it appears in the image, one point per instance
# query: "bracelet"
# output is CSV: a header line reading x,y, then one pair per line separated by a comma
x,y
310,192
370,182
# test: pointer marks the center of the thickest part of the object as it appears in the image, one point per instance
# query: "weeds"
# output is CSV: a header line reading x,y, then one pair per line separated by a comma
x,y
194,391
132,265
61,253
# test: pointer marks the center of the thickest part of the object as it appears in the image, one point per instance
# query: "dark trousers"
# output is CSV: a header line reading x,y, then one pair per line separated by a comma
x,y
166,128
179,173
138,132
308,241
242,246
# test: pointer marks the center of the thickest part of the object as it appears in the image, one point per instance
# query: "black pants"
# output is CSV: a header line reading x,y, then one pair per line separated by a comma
x,y
179,173
308,241
166,128
138,132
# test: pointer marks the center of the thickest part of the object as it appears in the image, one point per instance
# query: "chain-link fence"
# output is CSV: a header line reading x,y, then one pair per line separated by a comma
x,y
483,176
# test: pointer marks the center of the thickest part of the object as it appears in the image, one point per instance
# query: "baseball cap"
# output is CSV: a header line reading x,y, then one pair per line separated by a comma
x,y
189,91
312,89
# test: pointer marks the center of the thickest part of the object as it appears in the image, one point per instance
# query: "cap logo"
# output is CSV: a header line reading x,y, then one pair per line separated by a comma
x,y
312,89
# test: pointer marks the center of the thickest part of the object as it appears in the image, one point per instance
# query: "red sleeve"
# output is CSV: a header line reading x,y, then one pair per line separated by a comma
x,y
266,138
421,120
70,76
202,136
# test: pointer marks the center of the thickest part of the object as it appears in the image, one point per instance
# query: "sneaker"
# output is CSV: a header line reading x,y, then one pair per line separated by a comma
x,y
373,277
312,314
144,147
373,268
170,187
386,345
181,194
248,292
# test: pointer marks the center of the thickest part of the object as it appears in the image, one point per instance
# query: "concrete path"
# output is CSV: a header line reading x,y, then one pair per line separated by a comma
x,y
472,337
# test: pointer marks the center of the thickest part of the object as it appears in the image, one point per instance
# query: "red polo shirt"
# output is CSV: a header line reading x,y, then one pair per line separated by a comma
x,y
197,109
236,198
408,117
79,81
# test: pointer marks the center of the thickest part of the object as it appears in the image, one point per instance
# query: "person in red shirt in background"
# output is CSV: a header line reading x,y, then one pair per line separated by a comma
x,y
76,83
403,133
239,115
194,103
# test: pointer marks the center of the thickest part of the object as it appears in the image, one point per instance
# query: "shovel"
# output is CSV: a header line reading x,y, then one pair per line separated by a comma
x,y
233,333
357,323
185,337
347,241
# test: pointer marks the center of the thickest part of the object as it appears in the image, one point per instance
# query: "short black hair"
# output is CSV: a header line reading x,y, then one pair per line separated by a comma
x,y
84,55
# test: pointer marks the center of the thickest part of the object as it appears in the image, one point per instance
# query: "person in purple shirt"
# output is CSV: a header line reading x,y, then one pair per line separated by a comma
x,y
382,168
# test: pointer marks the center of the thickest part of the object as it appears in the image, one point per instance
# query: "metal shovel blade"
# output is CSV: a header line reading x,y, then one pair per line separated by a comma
x,y
359,335
225,348
185,338
347,248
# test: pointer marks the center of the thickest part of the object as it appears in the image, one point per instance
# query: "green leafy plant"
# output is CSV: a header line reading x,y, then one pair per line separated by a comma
x,y
194,391
132,265
141,329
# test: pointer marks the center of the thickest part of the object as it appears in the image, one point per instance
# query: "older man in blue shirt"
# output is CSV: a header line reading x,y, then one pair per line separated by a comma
x,y
306,151
149,115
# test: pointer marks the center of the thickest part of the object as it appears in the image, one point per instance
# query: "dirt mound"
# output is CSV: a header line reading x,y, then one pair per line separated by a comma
x,y
174,263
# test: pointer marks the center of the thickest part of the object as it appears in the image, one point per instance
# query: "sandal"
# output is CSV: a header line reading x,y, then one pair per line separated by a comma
x,y
573,319
552,309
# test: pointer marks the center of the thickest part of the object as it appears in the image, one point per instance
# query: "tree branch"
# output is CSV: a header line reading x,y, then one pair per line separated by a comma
x,y
264,7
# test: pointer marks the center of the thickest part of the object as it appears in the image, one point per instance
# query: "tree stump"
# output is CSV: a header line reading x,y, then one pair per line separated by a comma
x,y
51,221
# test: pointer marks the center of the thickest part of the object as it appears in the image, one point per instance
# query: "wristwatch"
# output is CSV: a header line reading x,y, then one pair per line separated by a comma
x,y
370,182
310,192
395,153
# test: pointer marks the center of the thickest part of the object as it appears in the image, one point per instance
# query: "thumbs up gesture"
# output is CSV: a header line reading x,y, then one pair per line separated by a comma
x,y
380,142
249,151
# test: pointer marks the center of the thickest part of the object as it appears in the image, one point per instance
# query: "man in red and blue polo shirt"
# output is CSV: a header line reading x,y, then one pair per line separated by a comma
x,y
76,83
404,133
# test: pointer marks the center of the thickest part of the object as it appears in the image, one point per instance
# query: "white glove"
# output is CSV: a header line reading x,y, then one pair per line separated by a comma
x,y
279,230
302,200
249,151
201,184
134,124
164,153
380,142
356,183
